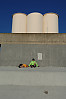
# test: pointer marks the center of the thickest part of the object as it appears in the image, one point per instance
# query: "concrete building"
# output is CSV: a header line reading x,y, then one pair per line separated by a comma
x,y
20,46
35,23
19,23
48,49
50,23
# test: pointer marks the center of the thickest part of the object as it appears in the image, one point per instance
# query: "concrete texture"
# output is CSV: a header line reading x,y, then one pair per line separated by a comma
x,y
33,76
21,48
39,69
14,54
13,91
32,92
33,38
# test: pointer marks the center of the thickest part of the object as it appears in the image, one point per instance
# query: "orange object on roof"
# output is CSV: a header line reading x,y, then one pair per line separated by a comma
x,y
24,65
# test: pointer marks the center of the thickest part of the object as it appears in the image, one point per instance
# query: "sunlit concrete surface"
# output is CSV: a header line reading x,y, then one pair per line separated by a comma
x,y
38,69
32,92
40,76
15,54
30,38
32,83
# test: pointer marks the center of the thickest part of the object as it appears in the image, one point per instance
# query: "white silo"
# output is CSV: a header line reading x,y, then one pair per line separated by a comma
x,y
19,23
34,23
50,23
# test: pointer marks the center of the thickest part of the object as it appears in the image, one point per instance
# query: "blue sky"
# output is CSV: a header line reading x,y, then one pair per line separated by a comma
x,y
9,7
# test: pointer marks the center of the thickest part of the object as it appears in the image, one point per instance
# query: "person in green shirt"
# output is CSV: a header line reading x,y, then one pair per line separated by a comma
x,y
33,63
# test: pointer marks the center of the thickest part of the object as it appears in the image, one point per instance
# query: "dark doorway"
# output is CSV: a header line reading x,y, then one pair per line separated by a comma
x,y
0,45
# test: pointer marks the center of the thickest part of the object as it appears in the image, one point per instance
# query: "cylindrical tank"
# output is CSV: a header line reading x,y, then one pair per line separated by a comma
x,y
50,23
34,23
19,23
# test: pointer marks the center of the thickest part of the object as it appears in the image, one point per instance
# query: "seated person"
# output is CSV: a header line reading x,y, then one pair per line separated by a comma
x,y
33,63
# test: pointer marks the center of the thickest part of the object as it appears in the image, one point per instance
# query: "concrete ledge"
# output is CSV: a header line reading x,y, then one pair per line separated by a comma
x,y
33,78
33,38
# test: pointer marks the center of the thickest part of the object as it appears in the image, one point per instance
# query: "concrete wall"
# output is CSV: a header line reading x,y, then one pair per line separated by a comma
x,y
33,38
14,54
21,48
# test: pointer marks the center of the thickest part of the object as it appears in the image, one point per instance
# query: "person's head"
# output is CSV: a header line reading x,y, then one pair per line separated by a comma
x,y
33,59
